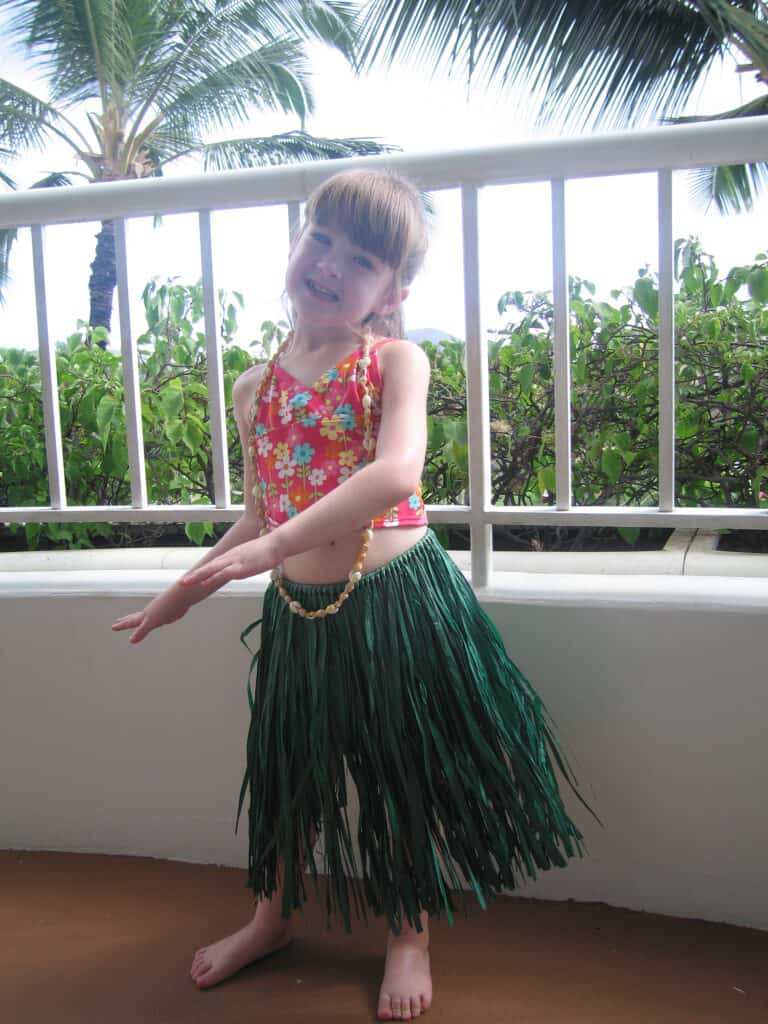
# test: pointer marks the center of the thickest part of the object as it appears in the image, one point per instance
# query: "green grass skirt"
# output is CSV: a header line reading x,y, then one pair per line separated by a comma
x,y
449,747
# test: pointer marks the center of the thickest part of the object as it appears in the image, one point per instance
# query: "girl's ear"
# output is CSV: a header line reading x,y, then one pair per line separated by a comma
x,y
393,300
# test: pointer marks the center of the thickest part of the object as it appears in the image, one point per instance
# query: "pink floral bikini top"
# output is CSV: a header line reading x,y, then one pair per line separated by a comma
x,y
307,440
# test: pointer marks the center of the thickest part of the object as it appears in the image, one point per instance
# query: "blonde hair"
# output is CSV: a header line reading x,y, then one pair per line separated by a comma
x,y
384,214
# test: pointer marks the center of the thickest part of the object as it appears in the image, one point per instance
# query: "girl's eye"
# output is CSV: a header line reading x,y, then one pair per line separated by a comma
x,y
318,236
363,261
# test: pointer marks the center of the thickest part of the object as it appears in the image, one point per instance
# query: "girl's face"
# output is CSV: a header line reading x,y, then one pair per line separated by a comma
x,y
331,280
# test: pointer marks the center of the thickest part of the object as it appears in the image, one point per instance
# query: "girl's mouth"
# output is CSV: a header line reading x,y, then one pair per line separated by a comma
x,y
321,293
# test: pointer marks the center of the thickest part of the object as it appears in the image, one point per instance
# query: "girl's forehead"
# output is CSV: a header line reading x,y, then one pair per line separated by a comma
x,y
360,236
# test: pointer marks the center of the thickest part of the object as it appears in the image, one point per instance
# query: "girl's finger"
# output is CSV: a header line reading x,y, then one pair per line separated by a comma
x,y
126,622
198,575
220,578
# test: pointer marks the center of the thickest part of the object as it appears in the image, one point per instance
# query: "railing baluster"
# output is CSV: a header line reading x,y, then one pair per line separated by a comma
x,y
48,378
478,414
216,408
131,387
562,353
666,347
294,219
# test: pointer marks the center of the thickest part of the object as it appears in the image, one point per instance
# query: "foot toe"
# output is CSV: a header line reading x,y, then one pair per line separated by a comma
x,y
385,1008
415,1006
206,977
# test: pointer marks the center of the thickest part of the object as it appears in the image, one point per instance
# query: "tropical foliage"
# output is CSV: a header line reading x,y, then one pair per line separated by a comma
x,y
593,62
722,394
134,85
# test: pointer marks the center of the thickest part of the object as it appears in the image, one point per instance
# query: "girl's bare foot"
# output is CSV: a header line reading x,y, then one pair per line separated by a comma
x,y
265,934
406,991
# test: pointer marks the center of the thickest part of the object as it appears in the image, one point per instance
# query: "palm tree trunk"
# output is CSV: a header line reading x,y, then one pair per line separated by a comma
x,y
101,285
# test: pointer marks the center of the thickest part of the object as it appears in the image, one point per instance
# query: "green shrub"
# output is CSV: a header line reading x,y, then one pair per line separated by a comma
x,y
722,403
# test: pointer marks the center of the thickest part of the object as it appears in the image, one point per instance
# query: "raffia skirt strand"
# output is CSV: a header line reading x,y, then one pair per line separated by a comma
x,y
449,747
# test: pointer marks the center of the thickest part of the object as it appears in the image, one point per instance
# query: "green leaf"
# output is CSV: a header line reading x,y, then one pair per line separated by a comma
x,y
104,413
712,327
172,401
526,378
749,439
547,480
630,534
173,431
191,435
197,532
757,284
612,464
646,296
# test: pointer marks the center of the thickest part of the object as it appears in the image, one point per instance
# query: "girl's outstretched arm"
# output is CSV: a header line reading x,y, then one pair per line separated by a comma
x,y
389,479
174,602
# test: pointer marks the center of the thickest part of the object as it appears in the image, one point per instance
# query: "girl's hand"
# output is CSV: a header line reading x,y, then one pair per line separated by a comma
x,y
249,559
161,610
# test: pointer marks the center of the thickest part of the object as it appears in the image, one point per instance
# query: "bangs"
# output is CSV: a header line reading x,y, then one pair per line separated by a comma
x,y
373,210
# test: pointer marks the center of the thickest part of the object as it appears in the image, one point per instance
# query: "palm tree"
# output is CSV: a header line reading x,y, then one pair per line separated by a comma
x,y
612,62
159,76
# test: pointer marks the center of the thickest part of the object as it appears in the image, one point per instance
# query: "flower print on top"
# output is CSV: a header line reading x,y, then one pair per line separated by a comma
x,y
306,441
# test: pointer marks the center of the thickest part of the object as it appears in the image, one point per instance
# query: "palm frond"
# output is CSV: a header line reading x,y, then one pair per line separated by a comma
x,y
732,188
289,147
744,28
165,145
755,108
273,77
57,42
7,238
334,24
7,180
53,180
597,61
24,119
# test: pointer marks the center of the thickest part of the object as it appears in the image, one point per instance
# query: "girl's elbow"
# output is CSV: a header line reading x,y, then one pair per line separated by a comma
x,y
405,480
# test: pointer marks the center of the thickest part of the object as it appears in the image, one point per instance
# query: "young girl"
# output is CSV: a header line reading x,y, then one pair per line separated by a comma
x,y
375,654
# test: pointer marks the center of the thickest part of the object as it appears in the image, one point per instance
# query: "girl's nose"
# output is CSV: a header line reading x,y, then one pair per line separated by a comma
x,y
329,263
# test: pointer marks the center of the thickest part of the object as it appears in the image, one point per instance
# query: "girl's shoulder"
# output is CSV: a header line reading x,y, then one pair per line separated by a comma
x,y
401,353
244,388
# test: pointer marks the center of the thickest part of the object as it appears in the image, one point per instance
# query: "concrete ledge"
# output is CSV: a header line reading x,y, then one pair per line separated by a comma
x,y
565,590
144,570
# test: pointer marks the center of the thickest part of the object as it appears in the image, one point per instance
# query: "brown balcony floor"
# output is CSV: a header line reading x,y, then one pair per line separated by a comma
x,y
89,939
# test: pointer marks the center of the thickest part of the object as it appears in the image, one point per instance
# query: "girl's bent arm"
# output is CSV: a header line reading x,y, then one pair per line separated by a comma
x,y
248,526
394,473
175,600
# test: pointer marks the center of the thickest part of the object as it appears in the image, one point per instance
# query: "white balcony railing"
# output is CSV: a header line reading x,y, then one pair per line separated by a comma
x,y
660,150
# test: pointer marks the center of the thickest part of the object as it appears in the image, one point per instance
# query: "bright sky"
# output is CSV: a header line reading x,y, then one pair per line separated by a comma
x,y
611,222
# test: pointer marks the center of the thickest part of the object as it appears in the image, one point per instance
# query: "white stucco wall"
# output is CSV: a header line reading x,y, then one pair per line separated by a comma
x,y
657,685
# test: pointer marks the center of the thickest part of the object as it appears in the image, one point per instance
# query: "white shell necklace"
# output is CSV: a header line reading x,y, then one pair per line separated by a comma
x,y
369,445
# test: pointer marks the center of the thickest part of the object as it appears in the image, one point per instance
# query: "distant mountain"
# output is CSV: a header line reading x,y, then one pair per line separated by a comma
x,y
420,334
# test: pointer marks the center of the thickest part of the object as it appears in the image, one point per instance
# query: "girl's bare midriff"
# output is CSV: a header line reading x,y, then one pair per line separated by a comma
x,y
332,563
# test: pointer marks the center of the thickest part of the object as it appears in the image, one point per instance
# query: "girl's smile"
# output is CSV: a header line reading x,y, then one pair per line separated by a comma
x,y
321,293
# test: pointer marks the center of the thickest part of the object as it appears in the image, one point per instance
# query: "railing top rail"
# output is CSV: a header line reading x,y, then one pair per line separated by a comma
x,y
674,147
